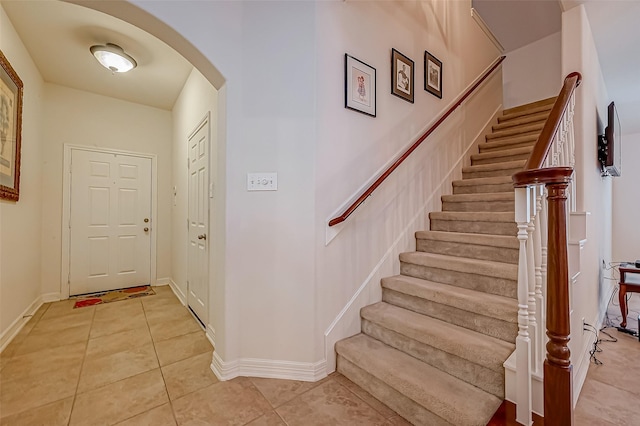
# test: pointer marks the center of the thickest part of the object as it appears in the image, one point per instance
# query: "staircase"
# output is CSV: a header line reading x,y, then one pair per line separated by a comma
x,y
433,349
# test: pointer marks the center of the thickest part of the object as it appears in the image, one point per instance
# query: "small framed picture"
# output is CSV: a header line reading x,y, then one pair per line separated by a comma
x,y
401,76
359,86
432,75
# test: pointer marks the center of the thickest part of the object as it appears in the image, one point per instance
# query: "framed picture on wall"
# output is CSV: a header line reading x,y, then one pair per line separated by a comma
x,y
432,75
359,86
402,76
10,130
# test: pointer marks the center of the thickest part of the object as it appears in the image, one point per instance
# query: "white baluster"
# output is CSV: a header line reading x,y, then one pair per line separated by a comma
x,y
523,342
531,281
539,354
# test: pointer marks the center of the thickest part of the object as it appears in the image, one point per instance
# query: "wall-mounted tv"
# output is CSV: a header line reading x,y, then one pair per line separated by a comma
x,y
609,150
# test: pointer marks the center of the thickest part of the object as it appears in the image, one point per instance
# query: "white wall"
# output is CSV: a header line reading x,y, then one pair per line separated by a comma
x,y
594,192
352,147
20,223
282,110
533,72
198,98
82,118
626,203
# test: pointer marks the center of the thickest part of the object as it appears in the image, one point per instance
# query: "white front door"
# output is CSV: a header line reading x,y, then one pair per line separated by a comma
x,y
199,239
110,221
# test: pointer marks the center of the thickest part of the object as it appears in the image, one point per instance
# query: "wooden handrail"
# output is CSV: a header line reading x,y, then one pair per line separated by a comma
x,y
558,385
400,160
545,139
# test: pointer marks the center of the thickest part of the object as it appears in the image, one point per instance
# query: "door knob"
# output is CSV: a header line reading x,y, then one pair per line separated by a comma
x,y
146,229
202,237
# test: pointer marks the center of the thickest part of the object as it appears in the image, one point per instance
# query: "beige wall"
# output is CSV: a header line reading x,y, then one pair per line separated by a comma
x,y
592,291
533,72
197,99
283,111
81,118
20,223
626,203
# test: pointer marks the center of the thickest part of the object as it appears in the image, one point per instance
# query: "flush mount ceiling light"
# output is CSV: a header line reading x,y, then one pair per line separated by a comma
x,y
113,58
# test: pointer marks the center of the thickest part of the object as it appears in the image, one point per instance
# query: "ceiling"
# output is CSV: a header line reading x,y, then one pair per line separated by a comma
x,y
616,32
162,72
58,35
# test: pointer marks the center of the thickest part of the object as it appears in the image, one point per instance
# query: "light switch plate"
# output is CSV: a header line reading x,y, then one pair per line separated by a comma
x,y
262,181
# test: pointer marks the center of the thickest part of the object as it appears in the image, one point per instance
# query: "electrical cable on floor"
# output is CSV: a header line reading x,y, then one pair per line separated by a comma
x,y
592,352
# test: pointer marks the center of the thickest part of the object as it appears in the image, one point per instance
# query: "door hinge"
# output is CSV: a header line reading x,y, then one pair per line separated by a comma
x,y
188,164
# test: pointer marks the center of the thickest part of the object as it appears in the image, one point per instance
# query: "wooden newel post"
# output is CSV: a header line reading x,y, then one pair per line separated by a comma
x,y
558,386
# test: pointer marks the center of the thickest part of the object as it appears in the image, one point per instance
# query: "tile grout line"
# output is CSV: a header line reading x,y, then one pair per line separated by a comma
x,y
84,357
164,382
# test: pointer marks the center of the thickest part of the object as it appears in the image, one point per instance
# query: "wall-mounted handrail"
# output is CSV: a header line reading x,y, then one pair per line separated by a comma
x,y
400,160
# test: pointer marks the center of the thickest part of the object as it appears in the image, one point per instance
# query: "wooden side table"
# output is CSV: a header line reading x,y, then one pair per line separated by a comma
x,y
627,272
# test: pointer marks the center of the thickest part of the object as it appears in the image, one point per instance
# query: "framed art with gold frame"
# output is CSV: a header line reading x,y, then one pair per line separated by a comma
x,y
11,88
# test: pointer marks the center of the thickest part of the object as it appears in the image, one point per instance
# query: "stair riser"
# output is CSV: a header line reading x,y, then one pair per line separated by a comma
x,y
493,228
405,407
483,283
478,206
472,251
478,375
482,324
490,173
482,189
521,121
506,144
510,133
498,160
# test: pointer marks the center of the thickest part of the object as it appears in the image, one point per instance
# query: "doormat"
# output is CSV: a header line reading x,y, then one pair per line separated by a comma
x,y
113,296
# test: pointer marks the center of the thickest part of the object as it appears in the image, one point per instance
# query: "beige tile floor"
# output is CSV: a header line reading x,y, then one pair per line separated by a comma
x,y
146,362
611,392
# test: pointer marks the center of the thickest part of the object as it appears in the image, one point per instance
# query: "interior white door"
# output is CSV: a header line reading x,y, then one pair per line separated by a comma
x,y
198,263
110,221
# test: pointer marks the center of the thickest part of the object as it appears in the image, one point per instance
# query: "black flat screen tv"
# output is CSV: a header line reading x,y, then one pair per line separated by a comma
x,y
609,150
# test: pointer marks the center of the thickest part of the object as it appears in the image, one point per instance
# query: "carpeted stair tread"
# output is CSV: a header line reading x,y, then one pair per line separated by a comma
x,y
522,120
489,197
471,266
488,202
473,216
461,342
451,399
509,143
495,166
530,108
497,156
502,241
489,305
520,130
483,185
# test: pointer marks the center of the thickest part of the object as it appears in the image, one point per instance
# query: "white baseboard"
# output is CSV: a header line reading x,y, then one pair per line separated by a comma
x,y
347,322
12,331
178,292
266,368
162,281
210,332
51,297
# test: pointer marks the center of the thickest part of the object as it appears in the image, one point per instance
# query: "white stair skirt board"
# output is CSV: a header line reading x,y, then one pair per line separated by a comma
x,y
266,368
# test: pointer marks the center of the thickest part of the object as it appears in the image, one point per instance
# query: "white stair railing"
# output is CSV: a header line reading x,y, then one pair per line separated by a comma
x,y
531,220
